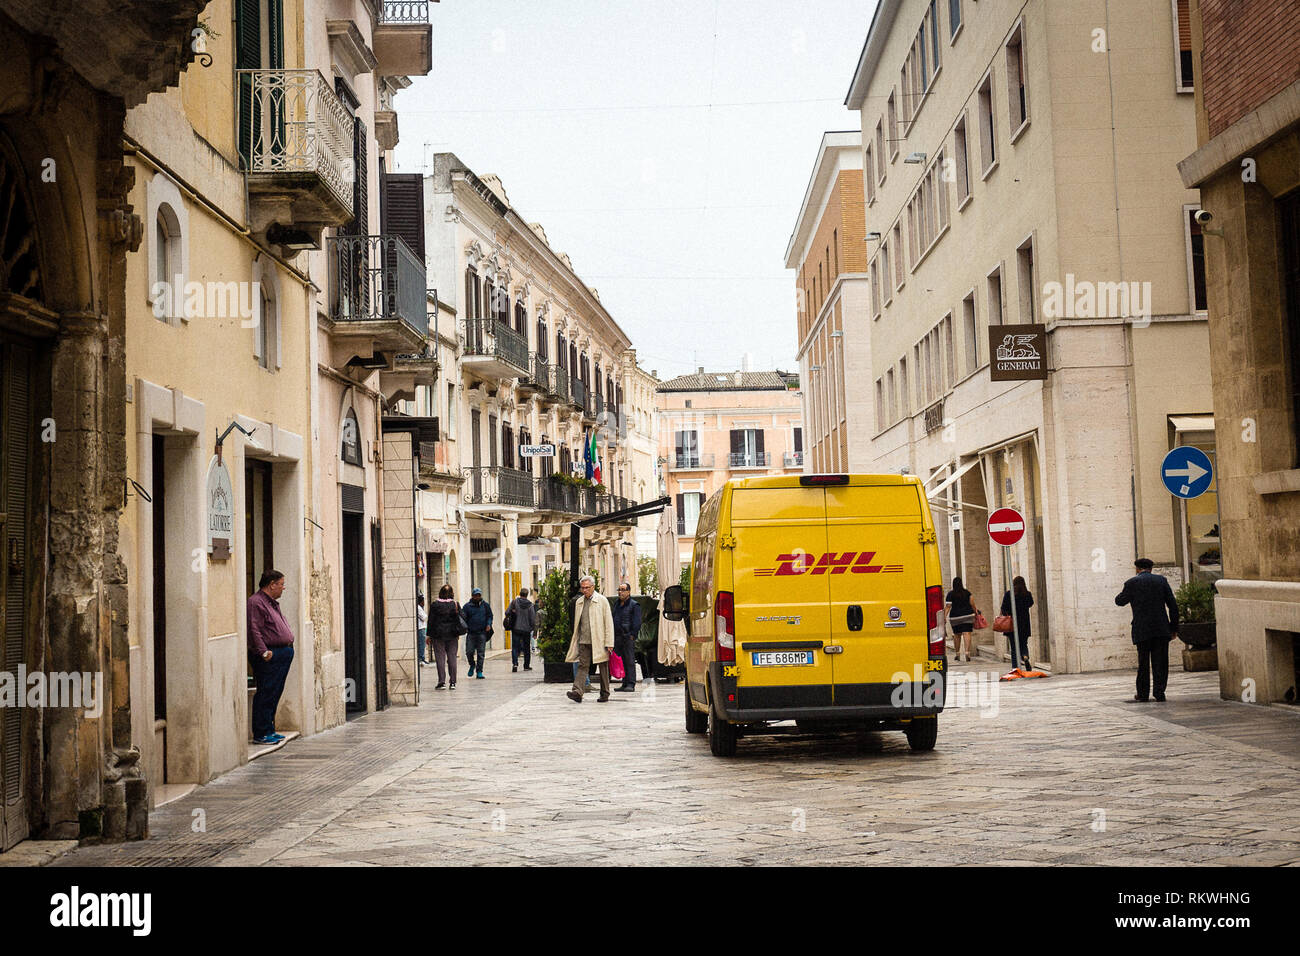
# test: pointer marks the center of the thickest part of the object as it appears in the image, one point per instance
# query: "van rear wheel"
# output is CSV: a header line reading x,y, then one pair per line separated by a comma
x,y
922,733
722,736
696,723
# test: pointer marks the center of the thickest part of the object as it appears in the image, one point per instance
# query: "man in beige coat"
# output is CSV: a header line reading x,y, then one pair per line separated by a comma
x,y
593,638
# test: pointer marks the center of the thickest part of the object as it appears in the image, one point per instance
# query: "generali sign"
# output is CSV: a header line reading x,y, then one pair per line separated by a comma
x,y
1017,353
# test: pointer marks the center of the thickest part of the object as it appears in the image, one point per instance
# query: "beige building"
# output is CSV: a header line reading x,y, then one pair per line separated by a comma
x,y
1246,60
1018,163
829,253
719,425
541,362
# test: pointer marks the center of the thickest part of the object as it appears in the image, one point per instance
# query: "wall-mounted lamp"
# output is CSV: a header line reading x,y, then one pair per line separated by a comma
x,y
873,237
914,159
838,334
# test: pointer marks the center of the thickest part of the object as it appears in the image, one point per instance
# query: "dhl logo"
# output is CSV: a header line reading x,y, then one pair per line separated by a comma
x,y
856,562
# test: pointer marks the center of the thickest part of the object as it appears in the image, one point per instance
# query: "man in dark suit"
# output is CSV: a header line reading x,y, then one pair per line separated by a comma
x,y
1150,596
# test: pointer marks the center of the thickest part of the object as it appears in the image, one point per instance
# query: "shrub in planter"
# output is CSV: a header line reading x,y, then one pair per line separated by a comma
x,y
1196,625
555,617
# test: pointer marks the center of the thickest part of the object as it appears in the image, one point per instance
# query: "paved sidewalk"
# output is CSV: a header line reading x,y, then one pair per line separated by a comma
x,y
509,771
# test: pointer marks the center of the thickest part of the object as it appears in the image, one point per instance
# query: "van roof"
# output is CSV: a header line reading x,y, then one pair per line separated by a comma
x,y
792,481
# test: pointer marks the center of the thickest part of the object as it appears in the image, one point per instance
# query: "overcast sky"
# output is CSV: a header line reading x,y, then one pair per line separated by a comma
x,y
665,146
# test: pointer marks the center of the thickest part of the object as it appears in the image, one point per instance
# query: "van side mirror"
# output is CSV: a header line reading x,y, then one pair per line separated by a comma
x,y
675,604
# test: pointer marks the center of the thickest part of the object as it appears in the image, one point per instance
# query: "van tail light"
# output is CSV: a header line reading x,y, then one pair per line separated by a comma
x,y
934,619
725,626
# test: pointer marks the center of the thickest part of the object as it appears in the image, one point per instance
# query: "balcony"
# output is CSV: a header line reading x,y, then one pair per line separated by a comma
x,y
295,143
410,370
403,38
380,299
493,350
438,463
534,383
494,488
578,397
691,463
570,500
749,459
551,381
794,459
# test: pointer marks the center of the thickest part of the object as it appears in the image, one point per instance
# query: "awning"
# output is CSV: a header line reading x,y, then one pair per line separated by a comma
x,y
943,486
1192,423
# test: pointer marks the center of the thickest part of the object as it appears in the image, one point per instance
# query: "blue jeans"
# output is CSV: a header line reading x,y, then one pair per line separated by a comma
x,y
270,676
475,648
420,634
521,642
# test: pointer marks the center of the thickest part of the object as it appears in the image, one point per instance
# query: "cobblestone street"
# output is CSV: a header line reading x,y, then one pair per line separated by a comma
x,y
508,771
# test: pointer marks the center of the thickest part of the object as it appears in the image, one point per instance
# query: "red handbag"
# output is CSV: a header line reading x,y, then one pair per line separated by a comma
x,y
981,622
615,666
1002,624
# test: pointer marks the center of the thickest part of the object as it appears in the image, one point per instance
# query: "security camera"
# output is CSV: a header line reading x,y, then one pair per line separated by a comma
x,y
1202,217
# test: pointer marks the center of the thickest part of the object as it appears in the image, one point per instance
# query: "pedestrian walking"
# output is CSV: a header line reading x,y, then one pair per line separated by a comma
x,y
478,622
421,626
627,625
1155,624
520,620
961,611
270,651
446,625
592,640
1024,601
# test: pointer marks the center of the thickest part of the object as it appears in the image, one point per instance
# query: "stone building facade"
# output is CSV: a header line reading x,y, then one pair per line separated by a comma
x,y
996,194
70,767
1246,61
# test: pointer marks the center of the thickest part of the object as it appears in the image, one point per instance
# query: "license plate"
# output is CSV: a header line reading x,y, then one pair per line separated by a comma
x,y
782,658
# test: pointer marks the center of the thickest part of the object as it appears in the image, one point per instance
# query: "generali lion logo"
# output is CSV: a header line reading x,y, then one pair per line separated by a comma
x,y
856,562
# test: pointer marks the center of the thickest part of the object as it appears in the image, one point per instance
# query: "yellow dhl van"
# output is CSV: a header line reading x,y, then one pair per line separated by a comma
x,y
818,599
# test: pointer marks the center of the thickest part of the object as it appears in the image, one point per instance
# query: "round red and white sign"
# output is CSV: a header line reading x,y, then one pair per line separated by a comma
x,y
1006,526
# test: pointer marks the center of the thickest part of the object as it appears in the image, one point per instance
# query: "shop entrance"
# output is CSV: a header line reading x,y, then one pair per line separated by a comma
x,y
354,598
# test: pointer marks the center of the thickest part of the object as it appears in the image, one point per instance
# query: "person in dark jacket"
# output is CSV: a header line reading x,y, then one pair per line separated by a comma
x,y
627,625
961,615
1151,598
1024,601
523,630
445,629
478,620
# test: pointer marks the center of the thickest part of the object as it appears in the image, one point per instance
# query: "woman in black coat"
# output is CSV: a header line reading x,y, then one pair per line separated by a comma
x,y
1024,601
445,629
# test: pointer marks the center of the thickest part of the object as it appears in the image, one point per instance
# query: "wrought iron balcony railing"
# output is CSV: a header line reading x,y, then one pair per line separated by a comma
x,y
578,392
794,459
292,122
496,485
404,11
752,459
378,278
497,340
693,462
437,460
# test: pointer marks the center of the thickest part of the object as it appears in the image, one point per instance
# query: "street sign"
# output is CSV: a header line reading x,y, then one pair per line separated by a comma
x,y
1006,526
536,451
1017,353
1187,472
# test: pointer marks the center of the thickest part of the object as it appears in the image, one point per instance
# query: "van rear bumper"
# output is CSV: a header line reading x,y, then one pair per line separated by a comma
x,y
817,702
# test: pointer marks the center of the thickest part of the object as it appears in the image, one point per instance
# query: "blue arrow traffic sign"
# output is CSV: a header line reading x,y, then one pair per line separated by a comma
x,y
1187,472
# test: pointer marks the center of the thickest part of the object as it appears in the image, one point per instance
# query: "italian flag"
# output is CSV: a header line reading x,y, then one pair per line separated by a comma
x,y
595,461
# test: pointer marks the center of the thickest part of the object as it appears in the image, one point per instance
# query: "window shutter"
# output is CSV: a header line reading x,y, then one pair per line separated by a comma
x,y
492,440
758,440
681,516
737,442
275,33
680,440
248,56
403,209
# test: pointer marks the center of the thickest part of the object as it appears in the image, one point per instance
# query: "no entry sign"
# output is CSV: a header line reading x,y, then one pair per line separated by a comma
x,y
1006,526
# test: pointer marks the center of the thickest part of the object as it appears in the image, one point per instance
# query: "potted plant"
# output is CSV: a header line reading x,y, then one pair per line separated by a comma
x,y
1196,626
555,627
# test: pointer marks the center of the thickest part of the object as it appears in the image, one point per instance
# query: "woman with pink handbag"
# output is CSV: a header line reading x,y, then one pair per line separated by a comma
x,y
961,612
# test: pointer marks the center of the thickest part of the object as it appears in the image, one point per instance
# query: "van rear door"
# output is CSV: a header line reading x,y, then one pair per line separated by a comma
x,y
876,576
782,611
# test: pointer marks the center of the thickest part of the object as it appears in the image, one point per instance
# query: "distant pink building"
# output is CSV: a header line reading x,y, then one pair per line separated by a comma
x,y
719,425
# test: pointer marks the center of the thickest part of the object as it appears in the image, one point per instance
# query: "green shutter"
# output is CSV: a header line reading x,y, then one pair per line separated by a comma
x,y
248,56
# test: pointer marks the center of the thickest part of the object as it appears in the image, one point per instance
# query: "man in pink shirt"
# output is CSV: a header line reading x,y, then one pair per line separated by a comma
x,y
270,651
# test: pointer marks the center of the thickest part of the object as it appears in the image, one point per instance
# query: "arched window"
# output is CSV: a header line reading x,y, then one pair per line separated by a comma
x,y
351,439
266,329
168,282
